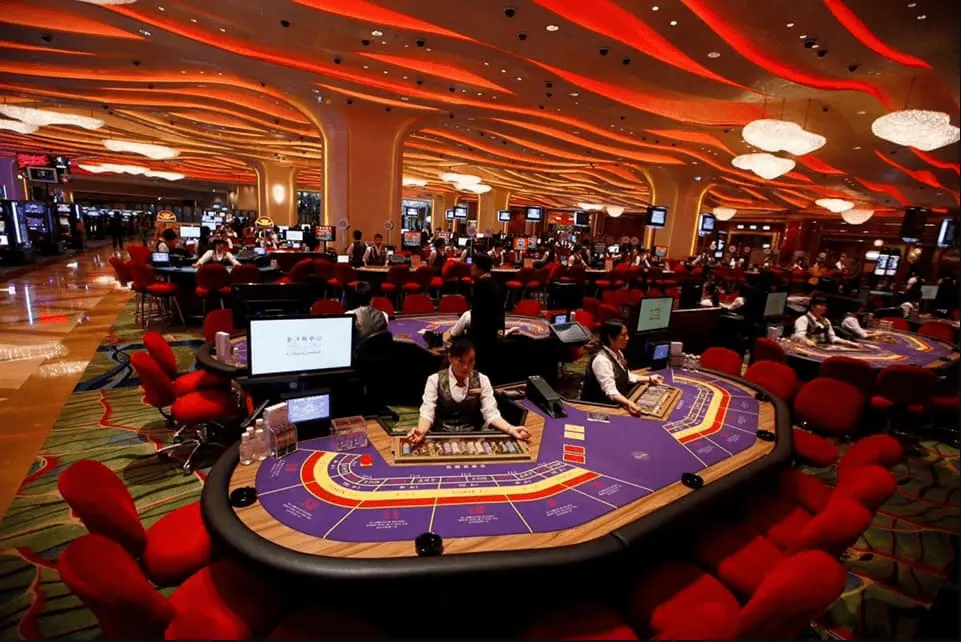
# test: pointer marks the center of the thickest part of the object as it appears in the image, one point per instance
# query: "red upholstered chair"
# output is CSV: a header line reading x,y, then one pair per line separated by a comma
x,y
874,450
220,320
121,273
829,405
245,273
320,623
737,555
326,306
163,354
383,304
139,254
723,360
591,304
579,621
171,550
767,350
710,621
515,286
417,303
897,323
213,281
528,307
586,319
152,291
397,276
453,304
778,379
814,450
301,271
903,394
856,372
937,330
428,280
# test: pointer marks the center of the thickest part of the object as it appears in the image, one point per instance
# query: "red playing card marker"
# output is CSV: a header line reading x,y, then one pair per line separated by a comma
x,y
366,460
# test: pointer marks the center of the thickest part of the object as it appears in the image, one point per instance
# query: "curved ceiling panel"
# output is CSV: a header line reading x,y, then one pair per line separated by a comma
x,y
860,31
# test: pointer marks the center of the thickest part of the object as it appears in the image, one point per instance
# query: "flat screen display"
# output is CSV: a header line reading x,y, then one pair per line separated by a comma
x,y
660,251
343,258
656,216
190,231
946,233
600,247
326,233
892,268
913,224
295,235
533,214
774,304
582,219
449,215
412,211
64,208
929,292
614,249
559,319
655,313
660,351
310,408
42,174
504,216
881,265
4,240
282,346
460,212
708,223
412,239
160,257
64,221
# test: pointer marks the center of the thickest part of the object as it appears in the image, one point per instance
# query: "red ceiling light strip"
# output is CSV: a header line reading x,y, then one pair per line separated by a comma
x,y
706,11
921,175
934,162
364,10
698,138
448,72
611,20
817,165
30,14
867,38
796,202
890,190
22,47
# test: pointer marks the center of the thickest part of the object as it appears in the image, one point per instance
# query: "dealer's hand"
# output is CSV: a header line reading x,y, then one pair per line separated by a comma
x,y
655,379
416,435
510,331
634,409
519,433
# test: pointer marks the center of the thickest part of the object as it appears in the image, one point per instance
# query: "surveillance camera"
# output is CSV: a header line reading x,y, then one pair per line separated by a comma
x,y
522,36
822,53
810,42
853,68
510,11
136,63
366,43
420,82
47,37
337,60
604,51
626,61
285,23
420,43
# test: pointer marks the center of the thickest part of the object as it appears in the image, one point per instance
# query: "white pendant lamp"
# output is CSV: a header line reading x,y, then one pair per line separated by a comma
x,y
724,213
44,117
156,152
836,205
614,210
414,182
17,126
479,188
168,176
774,135
767,166
918,128
857,216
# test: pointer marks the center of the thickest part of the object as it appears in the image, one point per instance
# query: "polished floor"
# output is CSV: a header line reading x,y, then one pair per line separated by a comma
x,y
52,320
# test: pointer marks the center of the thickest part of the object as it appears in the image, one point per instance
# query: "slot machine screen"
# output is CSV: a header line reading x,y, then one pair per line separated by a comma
x,y
412,240
708,223
190,231
449,215
881,265
326,233
893,262
946,233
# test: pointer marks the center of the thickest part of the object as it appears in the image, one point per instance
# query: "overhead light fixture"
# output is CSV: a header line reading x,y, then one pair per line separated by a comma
x,y
878,243
156,152
673,23
614,210
836,205
377,33
113,168
774,135
460,179
107,3
45,117
478,188
767,166
918,128
591,207
724,213
413,182
552,27
169,176
17,126
714,54
857,216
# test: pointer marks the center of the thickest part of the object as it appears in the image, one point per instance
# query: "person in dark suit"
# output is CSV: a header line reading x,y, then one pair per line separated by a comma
x,y
487,320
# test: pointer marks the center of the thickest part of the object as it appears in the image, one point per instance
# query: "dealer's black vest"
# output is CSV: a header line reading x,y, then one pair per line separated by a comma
x,y
377,256
817,330
357,250
367,321
591,391
451,416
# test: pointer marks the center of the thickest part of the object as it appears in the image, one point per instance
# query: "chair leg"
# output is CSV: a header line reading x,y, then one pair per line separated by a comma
x,y
180,314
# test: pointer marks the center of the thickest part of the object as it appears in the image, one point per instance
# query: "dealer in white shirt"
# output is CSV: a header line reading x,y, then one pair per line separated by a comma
x,y
608,377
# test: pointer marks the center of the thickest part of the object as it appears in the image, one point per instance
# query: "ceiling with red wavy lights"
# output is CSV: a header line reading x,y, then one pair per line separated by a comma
x,y
563,101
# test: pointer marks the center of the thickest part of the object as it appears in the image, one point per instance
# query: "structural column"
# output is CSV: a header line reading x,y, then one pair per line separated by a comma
x,y
487,206
683,198
439,204
276,191
12,185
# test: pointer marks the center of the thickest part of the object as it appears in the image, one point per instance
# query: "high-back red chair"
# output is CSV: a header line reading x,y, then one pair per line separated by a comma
x,y
158,348
417,303
193,381
346,275
907,388
856,372
591,304
767,350
383,304
897,323
139,254
301,271
777,378
120,270
220,320
585,318
326,306
397,276
829,405
213,281
245,273
937,330
453,304
723,360
158,389
150,290
528,308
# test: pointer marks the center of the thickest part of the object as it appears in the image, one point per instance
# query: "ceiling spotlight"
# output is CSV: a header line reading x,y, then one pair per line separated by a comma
x,y
922,17
223,30
113,168
790,25
697,178
836,205
655,8
377,33
673,23
574,94
552,27
714,54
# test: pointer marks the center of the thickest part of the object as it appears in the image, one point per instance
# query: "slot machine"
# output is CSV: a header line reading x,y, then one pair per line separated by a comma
x,y
15,244
36,216
64,218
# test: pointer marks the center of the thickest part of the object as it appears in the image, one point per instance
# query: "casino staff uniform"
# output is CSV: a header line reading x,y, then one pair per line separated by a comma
x,y
819,331
450,405
213,256
376,254
608,377
852,325
369,320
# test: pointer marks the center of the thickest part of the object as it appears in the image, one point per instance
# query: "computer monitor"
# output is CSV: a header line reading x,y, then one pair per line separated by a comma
x,y
654,314
295,235
300,344
774,304
460,212
656,216
449,215
504,216
708,223
159,258
462,241
558,319
582,219
303,408
260,251
189,231
659,354
326,233
534,214
929,292
343,258
412,240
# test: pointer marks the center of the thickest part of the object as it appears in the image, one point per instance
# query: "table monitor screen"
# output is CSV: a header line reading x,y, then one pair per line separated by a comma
x,y
326,233
656,216
534,214
260,251
4,240
449,215
929,292
314,407
504,216
655,313
343,258
295,235
659,353
614,249
775,304
189,232
460,212
660,251
160,257
300,345
558,319
412,239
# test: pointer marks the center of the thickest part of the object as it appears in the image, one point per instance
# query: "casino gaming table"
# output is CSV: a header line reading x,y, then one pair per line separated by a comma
x,y
592,487
409,328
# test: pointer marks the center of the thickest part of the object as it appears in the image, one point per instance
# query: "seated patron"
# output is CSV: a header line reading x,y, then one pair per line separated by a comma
x,y
460,399
368,320
607,378
167,241
218,254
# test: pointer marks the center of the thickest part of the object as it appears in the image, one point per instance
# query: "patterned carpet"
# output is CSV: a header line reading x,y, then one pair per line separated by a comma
x,y
903,559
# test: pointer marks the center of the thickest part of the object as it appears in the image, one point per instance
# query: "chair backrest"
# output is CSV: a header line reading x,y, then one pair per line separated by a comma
x,y
453,304
897,323
102,502
937,330
417,304
383,304
723,360
423,274
120,270
767,350
345,272
398,274
829,405
110,583
777,378
585,318
162,353
326,306
157,388
906,385
139,254
323,269
246,273
212,276
142,275
528,308
856,372
525,275
301,271
218,320
591,304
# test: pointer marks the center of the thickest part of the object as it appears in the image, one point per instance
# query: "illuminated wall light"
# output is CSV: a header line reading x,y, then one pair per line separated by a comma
x,y
724,213
836,205
44,117
17,126
156,152
279,192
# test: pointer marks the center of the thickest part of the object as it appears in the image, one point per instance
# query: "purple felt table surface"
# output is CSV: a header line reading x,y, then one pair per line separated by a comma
x,y
899,349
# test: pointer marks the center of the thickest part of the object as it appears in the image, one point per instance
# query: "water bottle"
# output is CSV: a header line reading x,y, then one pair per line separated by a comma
x,y
246,458
260,445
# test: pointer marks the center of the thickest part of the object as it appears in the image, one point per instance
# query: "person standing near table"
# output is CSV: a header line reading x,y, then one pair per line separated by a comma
x,y
487,319
167,241
607,378
116,231
376,254
368,320
219,254
497,254
460,399
815,328
357,249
